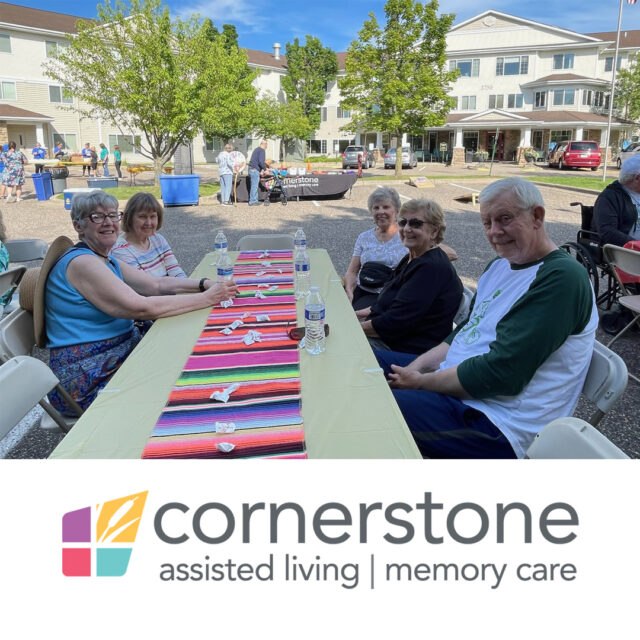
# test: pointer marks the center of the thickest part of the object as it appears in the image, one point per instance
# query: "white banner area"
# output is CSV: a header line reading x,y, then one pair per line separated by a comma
x,y
288,549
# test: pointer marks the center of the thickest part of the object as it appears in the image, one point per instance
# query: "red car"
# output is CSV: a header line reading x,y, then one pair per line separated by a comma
x,y
576,153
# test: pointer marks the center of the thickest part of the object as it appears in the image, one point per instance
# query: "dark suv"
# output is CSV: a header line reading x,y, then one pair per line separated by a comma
x,y
576,153
350,157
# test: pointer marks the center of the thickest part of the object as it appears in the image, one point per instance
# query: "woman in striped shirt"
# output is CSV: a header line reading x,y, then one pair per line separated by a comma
x,y
140,246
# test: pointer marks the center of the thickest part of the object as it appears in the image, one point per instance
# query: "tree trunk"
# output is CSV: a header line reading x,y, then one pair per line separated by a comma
x,y
158,165
399,157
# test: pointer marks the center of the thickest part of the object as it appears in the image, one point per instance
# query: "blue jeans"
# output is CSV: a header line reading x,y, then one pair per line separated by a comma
x,y
254,177
443,426
105,167
225,187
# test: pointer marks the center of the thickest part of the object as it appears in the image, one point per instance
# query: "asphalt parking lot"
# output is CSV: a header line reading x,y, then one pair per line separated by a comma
x,y
334,225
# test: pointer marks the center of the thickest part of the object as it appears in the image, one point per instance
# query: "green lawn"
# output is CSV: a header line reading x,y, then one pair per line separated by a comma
x,y
594,183
124,193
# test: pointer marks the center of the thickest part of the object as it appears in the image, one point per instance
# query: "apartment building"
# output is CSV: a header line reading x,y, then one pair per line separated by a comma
x,y
521,84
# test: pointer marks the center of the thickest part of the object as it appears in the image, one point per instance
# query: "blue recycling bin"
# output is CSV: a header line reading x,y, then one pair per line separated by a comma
x,y
180,190
43,185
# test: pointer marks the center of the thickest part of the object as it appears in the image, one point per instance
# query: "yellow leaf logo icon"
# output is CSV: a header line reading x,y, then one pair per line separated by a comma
x,y
118,520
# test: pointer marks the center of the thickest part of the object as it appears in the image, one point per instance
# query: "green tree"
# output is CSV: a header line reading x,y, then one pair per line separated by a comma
x,y
627,94
284,120
144,72
236,112
309,68
396,76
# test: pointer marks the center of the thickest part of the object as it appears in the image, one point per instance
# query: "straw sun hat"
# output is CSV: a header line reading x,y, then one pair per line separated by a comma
x,y
32,287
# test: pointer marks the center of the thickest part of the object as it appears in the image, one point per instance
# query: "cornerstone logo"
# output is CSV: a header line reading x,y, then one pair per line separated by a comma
x,y
115,524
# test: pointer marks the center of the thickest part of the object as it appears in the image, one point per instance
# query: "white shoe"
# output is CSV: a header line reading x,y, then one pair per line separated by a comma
x,y
18,199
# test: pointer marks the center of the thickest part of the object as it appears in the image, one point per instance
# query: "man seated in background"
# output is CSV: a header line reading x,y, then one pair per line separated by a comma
x,y
520,359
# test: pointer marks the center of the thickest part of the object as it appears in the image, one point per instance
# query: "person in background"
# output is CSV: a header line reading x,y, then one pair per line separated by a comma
x,y
117,158
38,153
58,152
617,209
104,159
139,245
225,173
86,158
13,172
257,164
94,162
4,263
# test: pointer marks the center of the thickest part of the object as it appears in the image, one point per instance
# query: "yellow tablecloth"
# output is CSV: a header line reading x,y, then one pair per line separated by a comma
x,y
347,407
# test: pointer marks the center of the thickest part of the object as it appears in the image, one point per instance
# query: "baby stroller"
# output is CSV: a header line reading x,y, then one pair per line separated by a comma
x,y
274,187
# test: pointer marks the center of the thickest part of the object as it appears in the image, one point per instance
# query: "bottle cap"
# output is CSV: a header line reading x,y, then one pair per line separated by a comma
x,y
313,288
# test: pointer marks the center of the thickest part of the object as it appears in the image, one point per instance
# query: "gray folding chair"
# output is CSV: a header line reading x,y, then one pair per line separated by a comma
x,y
628,261
26,249
25,382
9,281
17,339
273,241
572,438
605,382
465,305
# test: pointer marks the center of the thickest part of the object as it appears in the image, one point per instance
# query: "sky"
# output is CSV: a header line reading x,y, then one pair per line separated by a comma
x,y
337,22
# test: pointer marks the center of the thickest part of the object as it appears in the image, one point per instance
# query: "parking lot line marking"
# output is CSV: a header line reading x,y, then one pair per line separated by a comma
x,y
461,187
316,203
405,197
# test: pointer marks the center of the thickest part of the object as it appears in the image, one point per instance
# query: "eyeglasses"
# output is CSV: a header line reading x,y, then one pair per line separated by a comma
x,y
297,333
99,218
414,223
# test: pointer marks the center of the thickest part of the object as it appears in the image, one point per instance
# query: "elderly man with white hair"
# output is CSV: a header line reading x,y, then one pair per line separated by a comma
x,y
520,359
616,211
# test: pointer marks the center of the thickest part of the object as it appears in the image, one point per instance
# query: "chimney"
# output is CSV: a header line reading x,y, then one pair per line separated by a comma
x,y
276,50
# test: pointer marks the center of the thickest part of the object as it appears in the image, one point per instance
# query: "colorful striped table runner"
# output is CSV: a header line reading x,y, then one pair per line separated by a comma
x,y
265,407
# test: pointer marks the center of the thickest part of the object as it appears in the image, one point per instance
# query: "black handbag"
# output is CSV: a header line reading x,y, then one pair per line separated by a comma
x,y
374,275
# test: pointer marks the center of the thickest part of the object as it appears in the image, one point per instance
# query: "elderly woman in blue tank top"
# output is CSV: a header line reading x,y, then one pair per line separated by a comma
x,y
91,299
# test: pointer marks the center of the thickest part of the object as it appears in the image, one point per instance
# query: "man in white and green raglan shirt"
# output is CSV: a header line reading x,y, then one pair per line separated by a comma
x,y
520,359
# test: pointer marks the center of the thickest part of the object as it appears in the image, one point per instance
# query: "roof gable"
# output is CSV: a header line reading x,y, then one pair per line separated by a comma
x,y
38,19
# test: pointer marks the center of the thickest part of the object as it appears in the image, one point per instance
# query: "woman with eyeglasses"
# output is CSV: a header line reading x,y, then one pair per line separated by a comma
x,y
415,309
91,299
140,245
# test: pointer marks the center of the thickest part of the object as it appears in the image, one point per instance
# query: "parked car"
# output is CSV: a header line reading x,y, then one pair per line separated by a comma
x,y
632,150
576,153
350,157
408,158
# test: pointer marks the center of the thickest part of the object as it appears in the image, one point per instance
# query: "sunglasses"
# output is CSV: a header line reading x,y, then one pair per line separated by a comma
x,y
414,223
297,333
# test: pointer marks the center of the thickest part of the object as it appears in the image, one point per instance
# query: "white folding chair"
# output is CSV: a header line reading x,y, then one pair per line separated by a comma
x,y
605,382
26,249
25,382
17,339
572,438
465,305
9,281
628,261
273,241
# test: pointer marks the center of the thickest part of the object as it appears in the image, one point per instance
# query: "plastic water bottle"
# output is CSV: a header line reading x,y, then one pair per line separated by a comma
x,y
225,267
302,273
220,243
299,241
314,322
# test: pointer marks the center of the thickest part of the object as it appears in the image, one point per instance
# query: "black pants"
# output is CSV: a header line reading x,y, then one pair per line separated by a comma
x,y
39,168
118,169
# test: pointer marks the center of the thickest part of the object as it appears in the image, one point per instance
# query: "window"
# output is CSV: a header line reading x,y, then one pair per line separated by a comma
x,y
60,94
560,135
608,63
5,43
512,66
515,101
54,48
536,139
587,97
69,140
129,144
563,61
540,99
563,96
7,90
496,102
317,146
470,140
323,114
467,68
468,102
343,113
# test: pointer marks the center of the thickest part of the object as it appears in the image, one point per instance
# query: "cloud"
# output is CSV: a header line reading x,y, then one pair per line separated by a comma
x,y
238,12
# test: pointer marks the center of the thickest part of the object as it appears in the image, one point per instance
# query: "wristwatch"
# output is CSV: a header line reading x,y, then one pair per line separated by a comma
x,y
201,284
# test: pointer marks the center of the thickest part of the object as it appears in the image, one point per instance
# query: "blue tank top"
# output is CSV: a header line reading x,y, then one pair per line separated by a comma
x,y
72,319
